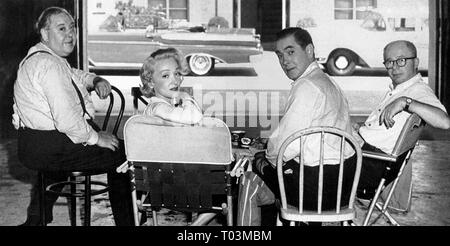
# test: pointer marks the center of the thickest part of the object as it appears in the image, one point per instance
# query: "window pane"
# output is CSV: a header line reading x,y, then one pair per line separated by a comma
x,y
361,15
343,14
178,14
343,4
157,3
365,3
179,4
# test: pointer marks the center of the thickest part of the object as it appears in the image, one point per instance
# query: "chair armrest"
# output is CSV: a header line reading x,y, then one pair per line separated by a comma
x,y
378,155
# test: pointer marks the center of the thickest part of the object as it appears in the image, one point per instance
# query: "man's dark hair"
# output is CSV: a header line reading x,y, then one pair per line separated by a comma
x,y
301,36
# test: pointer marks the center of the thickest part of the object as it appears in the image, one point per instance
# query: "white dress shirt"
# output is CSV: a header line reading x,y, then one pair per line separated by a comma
x,y
383,138
314,100
45,99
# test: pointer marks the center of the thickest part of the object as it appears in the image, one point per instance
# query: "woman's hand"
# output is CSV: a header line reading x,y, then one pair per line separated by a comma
x,y
179,96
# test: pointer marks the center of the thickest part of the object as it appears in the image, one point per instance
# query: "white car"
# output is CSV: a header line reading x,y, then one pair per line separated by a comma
x,y
341,46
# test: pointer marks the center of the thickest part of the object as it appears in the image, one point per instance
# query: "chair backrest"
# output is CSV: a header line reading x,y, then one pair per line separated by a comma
x,y
151,139
345,140
409,135
109,110
180,166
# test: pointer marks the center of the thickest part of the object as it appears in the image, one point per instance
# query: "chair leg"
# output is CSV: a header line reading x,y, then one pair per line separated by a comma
x,y
384,211
73,202
87,200
373,202
134,195
279,223
155,220
41,183
230,210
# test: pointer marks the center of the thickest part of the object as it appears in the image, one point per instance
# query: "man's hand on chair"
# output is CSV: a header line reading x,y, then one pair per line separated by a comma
x,y
107,140
102,87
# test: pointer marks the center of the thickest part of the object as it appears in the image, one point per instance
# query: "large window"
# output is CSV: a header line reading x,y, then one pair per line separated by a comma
x,y
231,78
352,9
175,9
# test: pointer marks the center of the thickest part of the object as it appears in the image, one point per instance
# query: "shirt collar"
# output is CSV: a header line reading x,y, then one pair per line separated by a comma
x,y
313,66
417,78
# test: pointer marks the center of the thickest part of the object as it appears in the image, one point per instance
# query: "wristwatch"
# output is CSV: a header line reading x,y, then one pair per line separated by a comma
x,y
408,102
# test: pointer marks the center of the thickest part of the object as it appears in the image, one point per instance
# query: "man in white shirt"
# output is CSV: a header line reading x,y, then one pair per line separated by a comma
x,y
314,100
408,94
51,111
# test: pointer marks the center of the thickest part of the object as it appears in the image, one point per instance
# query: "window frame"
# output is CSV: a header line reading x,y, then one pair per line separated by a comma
x,y
354,9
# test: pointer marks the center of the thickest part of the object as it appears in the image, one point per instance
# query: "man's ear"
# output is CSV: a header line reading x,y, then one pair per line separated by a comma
x,y
44,34
310,50
416,63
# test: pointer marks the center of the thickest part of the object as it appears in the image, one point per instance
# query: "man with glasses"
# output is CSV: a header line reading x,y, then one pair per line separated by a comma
x,y
408,94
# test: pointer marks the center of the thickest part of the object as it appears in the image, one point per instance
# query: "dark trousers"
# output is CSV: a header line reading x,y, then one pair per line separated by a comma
x,y
311,177
54,153
373,170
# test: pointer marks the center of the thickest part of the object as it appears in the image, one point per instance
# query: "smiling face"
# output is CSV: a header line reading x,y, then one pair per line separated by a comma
x,y
60,34
292,57
166,78
398,50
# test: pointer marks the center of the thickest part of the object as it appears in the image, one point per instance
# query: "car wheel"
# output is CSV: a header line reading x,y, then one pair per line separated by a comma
x,y
341,63
201,64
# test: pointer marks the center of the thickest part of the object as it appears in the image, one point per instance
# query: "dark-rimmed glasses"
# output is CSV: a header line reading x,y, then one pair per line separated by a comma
x,y
401,62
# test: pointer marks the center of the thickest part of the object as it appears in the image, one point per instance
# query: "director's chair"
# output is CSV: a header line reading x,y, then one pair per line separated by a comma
x,y
399,158
184,168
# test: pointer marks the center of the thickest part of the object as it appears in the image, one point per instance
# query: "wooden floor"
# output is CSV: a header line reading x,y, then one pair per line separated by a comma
x,y
430,201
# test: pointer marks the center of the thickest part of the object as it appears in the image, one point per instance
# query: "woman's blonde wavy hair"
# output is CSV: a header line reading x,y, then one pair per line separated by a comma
x,y
148,67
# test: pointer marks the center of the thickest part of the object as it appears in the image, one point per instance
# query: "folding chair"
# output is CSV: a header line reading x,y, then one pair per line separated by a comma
x,y
342,214
183,168
403,149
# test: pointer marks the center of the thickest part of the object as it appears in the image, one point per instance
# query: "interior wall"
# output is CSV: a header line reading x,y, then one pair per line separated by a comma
x,y
17,18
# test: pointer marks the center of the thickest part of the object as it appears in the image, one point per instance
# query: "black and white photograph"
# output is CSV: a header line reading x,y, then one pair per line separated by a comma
x,y
239,115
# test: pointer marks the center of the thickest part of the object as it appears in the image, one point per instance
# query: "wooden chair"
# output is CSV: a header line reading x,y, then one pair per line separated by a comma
x,y
183,168
402,150
340,213
87,193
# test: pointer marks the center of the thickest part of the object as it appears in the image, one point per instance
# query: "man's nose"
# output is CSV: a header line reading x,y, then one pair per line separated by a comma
x,y
70,33
284,60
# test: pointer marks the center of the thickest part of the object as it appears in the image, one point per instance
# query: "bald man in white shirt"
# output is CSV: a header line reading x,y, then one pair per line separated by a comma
x,y
408,94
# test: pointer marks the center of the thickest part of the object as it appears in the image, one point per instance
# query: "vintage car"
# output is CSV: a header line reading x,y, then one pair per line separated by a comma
x,y
342,46
202,48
